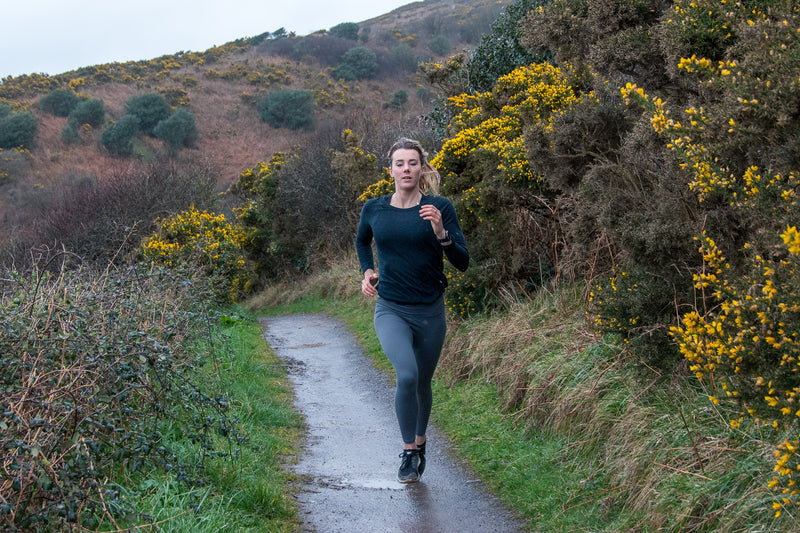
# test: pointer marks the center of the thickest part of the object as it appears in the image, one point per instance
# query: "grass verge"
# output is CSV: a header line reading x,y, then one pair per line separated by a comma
x,y
248,490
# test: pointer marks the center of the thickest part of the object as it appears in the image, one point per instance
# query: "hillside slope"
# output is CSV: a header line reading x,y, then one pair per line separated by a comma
x,y
221,87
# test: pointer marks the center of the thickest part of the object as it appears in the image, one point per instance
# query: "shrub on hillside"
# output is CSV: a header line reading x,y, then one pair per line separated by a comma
x,y
439,45
357,64
399,99
59,102
150,109
287,108
118,137
178,131
404,57
18,130
345,30
327,49
89,112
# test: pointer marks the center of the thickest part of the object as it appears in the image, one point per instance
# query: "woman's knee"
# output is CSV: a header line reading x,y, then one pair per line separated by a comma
x,y
407,382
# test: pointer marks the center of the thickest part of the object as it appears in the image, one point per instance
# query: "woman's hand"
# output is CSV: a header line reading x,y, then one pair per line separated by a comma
x,y
369,282
429,212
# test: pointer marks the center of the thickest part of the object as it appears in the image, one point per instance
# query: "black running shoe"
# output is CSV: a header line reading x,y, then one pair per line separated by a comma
x,y
421,450
409,464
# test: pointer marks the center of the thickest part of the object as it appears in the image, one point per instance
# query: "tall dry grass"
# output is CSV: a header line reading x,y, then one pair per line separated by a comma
x,y
659,448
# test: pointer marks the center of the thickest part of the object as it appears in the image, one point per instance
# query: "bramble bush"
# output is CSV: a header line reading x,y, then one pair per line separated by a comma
x,y
94,368
195,239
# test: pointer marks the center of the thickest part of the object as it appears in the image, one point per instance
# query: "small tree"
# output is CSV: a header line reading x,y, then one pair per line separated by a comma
x,y
178,130
286,107
357,64
18,130
89,112
59,102
399,99
439,45
346,30
118,137
500,51
150,109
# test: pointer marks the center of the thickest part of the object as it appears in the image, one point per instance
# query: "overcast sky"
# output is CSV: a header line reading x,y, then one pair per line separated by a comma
x,y
55,36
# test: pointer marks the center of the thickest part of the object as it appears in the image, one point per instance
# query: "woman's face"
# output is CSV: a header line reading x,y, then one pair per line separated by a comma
x,y
406,169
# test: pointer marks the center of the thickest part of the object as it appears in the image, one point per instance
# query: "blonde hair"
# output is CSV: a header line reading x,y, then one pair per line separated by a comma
x,y
429,180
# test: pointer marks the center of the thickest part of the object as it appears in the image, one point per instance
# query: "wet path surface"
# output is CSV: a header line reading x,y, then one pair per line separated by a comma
x,y
349,465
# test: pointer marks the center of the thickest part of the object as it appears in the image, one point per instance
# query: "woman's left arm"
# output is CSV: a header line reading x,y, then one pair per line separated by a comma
x,y
445,223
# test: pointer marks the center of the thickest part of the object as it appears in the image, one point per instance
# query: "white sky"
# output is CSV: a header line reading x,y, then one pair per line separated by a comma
x,y
56,36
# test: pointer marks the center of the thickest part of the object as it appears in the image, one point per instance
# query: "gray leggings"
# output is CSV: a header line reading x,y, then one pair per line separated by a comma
x,y
412,337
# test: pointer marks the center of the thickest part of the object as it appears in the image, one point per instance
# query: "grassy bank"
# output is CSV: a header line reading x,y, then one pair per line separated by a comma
x,y
246,491
569,429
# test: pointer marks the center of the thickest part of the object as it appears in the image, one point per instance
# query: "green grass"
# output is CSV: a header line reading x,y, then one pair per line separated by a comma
x,y
246,492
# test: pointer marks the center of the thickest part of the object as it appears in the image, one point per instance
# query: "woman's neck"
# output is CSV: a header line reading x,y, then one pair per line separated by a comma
x,y
404,200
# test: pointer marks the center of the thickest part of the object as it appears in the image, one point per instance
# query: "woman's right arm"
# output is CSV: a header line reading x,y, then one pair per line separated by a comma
x,y
365,258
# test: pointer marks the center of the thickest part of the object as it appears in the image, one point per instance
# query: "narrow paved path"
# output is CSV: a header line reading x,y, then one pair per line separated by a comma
x,y
349,465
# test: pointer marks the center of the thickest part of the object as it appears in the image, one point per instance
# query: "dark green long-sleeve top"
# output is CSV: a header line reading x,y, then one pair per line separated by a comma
x,y
411,267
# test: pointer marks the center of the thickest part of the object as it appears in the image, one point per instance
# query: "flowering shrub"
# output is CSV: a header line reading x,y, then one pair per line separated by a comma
x,y
741,336
747,346
381,188
486,172
205,239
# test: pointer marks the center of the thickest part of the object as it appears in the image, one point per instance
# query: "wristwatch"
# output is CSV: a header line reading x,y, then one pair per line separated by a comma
x,y
446,237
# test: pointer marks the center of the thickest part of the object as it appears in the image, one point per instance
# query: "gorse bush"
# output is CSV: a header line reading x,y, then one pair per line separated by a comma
x,y
93,369
485,171
740,336
208,241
